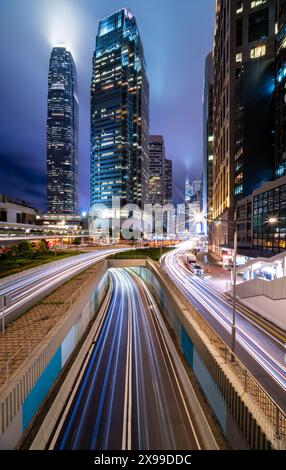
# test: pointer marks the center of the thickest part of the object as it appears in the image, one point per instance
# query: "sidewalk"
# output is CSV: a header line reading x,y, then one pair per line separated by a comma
x,y
215,275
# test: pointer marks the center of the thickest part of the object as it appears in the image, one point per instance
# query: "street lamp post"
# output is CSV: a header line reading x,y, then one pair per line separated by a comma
x,y
233,328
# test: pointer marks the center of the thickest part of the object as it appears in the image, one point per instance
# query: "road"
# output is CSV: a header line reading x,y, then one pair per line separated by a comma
x,y
259,348
29,287
130,396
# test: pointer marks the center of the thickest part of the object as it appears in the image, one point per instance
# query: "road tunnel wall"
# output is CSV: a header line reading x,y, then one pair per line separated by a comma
x,y
21,398
241,421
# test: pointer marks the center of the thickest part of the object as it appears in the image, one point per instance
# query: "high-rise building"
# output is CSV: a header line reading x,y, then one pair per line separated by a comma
x,y
280,143
243,93
188,190
119,113
62,134
156,169
168,181
208,143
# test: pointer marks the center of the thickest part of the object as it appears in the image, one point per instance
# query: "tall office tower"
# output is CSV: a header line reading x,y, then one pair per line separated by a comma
x,y
62,134
188,190
208,143
119,113
168,181
156,169
244,72
280,143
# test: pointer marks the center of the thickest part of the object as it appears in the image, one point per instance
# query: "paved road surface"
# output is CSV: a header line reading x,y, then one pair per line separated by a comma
x,y
259,349
28,288
130,396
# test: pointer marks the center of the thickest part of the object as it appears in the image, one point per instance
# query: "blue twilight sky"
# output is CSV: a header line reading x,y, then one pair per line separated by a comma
x,y
176,34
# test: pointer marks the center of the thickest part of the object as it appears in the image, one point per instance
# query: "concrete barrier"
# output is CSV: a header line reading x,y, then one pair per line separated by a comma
x,y
17,403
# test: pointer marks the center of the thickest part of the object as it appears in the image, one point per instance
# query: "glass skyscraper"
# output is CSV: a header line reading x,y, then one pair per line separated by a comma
x,y
62,134
119,113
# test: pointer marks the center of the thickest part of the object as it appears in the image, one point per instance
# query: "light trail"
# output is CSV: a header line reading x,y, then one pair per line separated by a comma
x,y
130,396
260,344
31,287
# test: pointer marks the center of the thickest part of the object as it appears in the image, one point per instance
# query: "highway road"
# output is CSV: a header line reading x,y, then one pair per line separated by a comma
x,y
130,396
29,287
260,347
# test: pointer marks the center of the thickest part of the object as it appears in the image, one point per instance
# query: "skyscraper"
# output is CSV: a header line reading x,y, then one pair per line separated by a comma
x,y
244,75
208,140
280,147
156,169
168,181
119,113
188,190
62,134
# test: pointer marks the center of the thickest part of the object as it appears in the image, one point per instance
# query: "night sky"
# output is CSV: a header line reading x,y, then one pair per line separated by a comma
x,y
176,34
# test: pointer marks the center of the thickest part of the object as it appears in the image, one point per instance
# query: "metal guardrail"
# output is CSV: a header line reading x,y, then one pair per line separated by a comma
x,y
25,352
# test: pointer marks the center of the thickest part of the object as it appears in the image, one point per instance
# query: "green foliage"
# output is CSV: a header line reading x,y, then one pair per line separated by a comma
x,y
25,248
43,246
13,261
153,253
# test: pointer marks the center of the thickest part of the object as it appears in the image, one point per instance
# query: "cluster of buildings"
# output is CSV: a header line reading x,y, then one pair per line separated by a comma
x,y
245,129
126,162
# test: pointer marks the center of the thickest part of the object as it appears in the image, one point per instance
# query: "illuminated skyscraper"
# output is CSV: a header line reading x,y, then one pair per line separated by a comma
x,y
62,134
168,181
119,113
156,169
243,113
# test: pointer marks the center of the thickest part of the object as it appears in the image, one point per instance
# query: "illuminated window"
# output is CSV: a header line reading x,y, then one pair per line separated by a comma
x,y
239,8
256,3
238,57
257,52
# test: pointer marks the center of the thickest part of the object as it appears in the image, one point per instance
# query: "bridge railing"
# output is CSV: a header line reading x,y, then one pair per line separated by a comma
x,y
250,384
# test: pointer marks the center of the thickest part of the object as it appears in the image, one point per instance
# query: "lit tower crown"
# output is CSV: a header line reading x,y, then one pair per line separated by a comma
x,y
119,113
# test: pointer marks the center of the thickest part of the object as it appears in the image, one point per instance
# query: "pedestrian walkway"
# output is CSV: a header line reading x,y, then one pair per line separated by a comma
x,y
215,275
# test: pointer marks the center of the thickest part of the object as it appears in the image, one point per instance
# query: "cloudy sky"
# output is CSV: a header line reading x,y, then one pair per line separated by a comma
x,y
176,34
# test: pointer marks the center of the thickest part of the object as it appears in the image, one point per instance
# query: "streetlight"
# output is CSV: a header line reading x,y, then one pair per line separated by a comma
x,y
233,327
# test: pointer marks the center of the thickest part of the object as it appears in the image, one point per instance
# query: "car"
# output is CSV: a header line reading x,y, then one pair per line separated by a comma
x,y
197,270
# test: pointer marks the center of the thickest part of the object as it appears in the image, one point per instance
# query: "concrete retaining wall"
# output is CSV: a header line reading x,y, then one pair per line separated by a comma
x,y
20,400
240,417
275,290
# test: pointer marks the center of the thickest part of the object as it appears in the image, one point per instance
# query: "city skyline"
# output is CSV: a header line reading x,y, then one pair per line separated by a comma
x,y
24,158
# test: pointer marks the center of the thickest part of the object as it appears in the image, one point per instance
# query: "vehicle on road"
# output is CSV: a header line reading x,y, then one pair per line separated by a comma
x,y
197,270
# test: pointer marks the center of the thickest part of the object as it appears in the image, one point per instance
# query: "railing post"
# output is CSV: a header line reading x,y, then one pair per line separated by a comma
x,y
245,380
277,433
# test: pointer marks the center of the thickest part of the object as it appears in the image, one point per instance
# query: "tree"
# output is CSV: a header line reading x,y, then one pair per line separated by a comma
x,y
25,248
43,246
77,242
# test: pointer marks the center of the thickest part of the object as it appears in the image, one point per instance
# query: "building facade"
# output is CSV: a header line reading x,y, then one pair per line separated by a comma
x,y
156,170
280,117
168,181
119,113
17,212
244,99
208,144
62,134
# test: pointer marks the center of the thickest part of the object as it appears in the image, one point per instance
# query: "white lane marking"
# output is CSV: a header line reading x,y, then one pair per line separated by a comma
x,y
78,382
159,330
